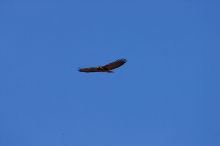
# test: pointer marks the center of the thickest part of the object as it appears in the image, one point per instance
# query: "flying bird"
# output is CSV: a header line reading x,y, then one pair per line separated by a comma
x,y
105,68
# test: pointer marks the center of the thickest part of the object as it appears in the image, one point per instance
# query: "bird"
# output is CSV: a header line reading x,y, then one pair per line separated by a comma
x,y
105,68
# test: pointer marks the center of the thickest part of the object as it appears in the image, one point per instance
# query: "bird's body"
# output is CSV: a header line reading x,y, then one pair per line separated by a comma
x,y
103,69
106,68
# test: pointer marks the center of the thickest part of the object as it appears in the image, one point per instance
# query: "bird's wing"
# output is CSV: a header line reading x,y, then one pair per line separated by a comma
x,y
115,64
90,69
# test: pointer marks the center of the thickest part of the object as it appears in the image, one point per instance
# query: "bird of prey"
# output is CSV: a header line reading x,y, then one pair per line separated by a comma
x,y
105,68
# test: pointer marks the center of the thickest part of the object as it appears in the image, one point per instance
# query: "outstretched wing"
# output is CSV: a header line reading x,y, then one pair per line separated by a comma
x,y
115,64
105,68
90,69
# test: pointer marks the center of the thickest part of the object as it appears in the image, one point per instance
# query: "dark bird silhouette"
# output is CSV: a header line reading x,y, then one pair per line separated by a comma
x,y
106,68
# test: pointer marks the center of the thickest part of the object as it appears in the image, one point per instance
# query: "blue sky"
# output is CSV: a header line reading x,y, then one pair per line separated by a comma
x,y
166,95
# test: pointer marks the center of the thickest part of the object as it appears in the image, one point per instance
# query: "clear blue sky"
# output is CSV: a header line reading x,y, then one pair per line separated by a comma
x,y
166,95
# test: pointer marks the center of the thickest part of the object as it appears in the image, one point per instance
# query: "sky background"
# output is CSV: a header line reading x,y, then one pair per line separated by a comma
x,y
167,94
